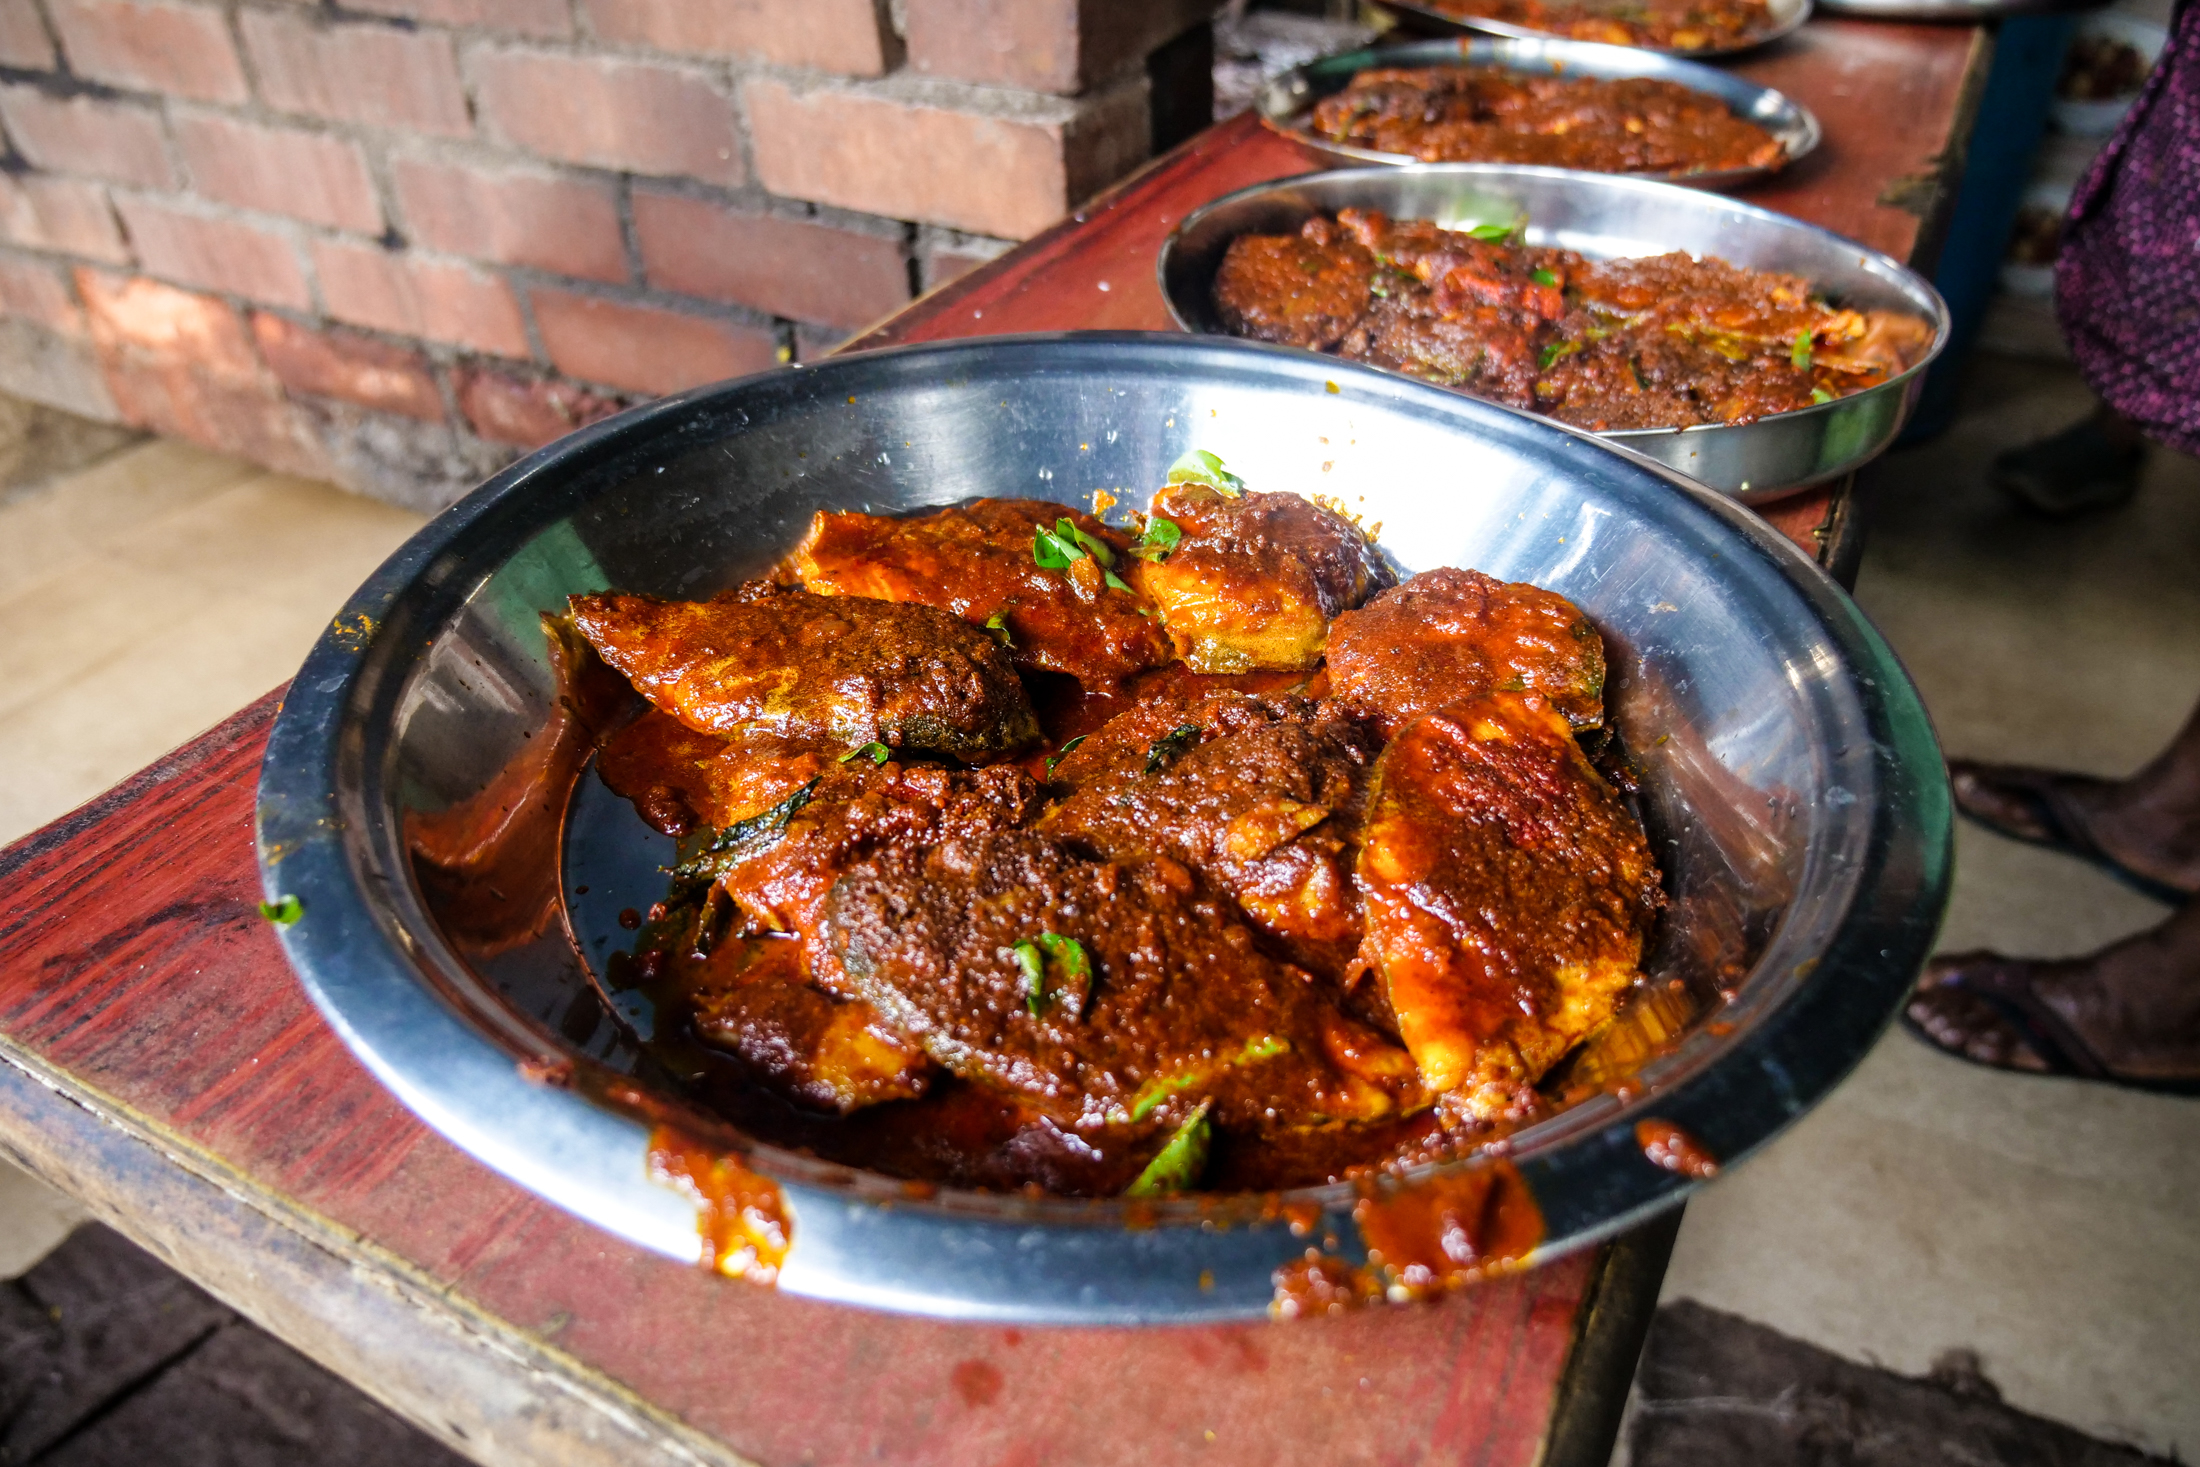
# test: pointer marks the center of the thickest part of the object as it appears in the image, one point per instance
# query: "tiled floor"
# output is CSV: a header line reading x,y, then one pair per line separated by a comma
x,y
1927,1205
2053,1227
151,595
142,600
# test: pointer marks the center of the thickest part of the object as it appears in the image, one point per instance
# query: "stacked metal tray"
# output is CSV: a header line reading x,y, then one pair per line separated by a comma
x,y
1287,103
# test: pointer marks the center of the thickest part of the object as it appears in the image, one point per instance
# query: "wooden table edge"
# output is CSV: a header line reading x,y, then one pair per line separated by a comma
x,y
348,1304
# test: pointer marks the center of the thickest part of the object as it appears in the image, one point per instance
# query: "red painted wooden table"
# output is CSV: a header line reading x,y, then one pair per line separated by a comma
x,y
158,1061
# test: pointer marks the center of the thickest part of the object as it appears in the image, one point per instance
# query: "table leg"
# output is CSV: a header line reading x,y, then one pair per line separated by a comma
x,y
1608,1337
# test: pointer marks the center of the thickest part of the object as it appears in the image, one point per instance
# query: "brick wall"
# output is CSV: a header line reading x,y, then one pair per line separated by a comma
x,y
393,242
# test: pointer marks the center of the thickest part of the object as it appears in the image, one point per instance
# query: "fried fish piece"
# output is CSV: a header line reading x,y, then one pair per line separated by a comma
x,y
681,780
1103,992
1508,895
1255,579
1262,796
977,561
751,1000
778,870
1450,634
825,670
1304,289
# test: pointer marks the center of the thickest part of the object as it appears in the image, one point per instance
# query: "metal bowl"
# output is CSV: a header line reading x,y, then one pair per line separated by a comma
x,y
1787,15
1605,217
1791,781
1287,102
1956,12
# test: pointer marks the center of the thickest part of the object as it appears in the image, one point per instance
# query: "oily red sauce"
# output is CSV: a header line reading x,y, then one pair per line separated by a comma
x,y
1665,25
1423,1239
1667,1145
1468,114
741,1215
1665,341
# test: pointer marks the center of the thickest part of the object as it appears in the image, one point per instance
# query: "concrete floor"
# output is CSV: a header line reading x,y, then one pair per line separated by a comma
x,y
1927,1205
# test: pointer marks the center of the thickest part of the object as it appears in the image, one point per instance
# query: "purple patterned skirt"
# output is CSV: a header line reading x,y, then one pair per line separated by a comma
x,y
2127,283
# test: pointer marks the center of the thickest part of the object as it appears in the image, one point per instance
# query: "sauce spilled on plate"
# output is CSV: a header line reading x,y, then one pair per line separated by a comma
x,y
746,1231
1422,1240
1667,1145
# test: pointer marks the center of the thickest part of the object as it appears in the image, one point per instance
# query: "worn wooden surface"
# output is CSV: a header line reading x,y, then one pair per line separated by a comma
x,y
158,1059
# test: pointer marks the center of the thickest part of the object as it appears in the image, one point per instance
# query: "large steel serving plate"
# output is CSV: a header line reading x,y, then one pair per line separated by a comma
x,y
1287,103
1607,217
1786,15
1792,785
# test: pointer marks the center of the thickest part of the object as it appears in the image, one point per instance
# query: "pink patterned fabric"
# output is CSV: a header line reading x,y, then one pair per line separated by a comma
x,y
2127,283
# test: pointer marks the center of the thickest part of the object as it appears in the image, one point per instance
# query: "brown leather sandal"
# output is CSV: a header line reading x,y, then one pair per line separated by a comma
x,y
2003,985
2035,806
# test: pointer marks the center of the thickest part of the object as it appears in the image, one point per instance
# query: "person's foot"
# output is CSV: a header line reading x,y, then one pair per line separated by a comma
x,y
2128,1014
2145,828
2086,468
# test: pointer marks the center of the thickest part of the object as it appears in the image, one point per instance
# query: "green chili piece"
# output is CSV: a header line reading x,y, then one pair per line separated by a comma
x,y
1819,394
878,753
1799,353
1177,1166
997,626
1035,974
1544,277
1074,967
283,911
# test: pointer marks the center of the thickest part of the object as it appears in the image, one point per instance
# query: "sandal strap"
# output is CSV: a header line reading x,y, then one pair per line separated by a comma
x,y
2003,986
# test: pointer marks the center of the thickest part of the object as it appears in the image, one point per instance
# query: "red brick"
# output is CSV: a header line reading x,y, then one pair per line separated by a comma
x,y
644,348
945,262
811,272
556,224
376,74
32,290
1004,174
629,115
61,214
405,295
546,18
308,176
183,364
529,411
346,365
215,254
847,36
84,135
151,46
1060,46
23,38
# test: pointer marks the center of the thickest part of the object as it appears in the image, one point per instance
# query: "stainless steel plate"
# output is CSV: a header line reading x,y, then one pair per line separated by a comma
x,y
1787,15
1960,12
1287,103
1792,784
1607,217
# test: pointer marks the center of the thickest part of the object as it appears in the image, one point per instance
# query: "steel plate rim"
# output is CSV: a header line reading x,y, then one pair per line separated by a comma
x,y
1782,28
1518,53
1901,277
374,993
